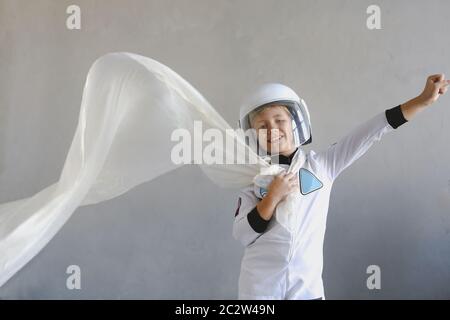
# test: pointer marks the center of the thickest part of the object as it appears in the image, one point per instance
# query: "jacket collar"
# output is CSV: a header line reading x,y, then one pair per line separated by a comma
x,y
284,159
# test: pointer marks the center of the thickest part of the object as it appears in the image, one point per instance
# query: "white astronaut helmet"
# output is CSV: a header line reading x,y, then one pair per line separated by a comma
x,y
279,94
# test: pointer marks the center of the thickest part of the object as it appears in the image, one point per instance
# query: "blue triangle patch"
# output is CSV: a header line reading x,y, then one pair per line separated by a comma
x,y
308,182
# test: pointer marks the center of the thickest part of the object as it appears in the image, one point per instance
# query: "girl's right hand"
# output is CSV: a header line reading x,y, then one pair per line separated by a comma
x,y
282,185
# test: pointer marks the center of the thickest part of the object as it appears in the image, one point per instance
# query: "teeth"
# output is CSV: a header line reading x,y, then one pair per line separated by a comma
x,y
275,140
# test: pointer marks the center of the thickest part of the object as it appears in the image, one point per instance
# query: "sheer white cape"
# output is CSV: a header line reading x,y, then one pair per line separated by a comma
x,y
130,106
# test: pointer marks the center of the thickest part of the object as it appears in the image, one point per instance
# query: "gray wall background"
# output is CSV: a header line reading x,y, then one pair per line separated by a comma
x,y
171,238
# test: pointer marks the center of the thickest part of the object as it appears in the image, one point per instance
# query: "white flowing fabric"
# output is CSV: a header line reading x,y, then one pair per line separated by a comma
x,y
130,106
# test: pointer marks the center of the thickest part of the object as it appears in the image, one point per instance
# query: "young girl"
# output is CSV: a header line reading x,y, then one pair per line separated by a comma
x,y
284,260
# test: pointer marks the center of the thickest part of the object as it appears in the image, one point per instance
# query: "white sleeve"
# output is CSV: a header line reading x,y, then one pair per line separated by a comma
x,y
248,225
351,147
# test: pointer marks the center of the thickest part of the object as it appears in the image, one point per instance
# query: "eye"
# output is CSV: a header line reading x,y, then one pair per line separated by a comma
x,y
280,121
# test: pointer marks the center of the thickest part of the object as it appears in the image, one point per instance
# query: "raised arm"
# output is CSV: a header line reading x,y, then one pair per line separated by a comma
x,y
351,147
435,86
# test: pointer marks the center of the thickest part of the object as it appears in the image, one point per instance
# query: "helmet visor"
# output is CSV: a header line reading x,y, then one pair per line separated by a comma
x,y
299,124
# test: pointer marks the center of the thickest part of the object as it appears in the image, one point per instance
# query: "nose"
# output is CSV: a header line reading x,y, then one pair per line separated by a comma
x,y
272,131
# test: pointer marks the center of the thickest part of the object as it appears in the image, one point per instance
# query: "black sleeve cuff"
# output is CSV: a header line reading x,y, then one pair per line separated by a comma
x,y
256,222
395,117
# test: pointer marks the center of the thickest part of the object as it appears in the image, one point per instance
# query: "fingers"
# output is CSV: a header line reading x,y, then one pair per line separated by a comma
x,y
439,79
293,181
438,83
294,187
443,86
436,77
293,177
287,175
285,183
281,175
444,83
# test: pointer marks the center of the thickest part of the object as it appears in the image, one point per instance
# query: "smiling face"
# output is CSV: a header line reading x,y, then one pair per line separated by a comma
x,y
273,127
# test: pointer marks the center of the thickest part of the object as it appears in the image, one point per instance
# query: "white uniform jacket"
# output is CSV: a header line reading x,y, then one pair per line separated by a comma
x,y
282,264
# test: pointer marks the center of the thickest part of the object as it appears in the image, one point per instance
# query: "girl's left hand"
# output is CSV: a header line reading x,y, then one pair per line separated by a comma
x,y
436,85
